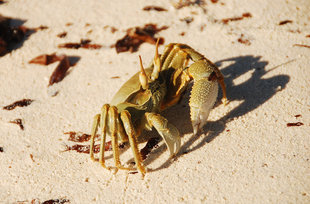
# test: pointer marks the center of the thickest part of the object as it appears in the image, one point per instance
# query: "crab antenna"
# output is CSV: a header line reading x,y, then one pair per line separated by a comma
x,y
156,62
142,76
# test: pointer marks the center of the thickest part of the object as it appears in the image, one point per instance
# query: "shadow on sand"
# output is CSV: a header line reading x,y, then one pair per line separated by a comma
x,y
253,92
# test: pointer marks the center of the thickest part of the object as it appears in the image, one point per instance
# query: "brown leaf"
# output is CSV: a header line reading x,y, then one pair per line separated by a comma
x,y
155,8
45,59
62,35
301,45
56,201
285,22
244,15
60,71
86,148
78,136
294,124
19,122
136,36
243,40
21,103
85,43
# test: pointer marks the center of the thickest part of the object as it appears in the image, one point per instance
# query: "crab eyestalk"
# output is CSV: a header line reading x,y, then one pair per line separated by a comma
x,y
156,62
142,76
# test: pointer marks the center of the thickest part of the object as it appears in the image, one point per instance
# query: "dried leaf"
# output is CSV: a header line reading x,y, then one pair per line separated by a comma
x,y
294,124
244,15
56,201
21,103
285,22
60,71
78,136
45,59
136,36
19,122
85,43
300,45
154,8
243,40
62,35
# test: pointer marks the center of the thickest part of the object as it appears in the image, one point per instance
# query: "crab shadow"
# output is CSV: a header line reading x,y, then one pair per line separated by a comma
x,y
252,93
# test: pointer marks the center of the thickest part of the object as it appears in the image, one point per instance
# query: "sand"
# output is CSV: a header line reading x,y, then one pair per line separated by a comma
x,y
245,154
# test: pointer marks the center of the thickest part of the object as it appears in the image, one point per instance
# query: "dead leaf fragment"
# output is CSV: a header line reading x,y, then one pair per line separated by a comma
x,y
244,15
243,40
136,36
301,45
62,35
285,22
78,136
84,43
294,124
19,122
60,71
45,59
56,201
21,103
154,8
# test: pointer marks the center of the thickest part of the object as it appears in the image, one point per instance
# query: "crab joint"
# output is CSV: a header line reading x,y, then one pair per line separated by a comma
x,y
156,62
142,76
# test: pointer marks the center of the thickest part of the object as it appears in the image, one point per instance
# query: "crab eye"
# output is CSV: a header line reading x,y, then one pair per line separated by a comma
x,y
142,76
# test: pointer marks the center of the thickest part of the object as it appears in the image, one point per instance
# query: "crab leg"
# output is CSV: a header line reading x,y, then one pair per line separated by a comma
x,y
113,115
103,125
173,56
167,131
130,131
93,133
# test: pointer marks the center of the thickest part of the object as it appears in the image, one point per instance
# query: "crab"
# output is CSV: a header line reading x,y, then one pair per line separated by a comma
x,y
138,103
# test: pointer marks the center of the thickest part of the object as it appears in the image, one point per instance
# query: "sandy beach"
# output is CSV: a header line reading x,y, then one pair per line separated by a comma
x,y
256,149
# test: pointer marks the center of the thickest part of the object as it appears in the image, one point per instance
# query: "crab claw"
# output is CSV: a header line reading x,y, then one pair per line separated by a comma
x,y
203,94
203,97
167,131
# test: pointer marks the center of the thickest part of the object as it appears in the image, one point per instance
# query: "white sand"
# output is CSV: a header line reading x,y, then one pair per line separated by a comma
x,y
246,154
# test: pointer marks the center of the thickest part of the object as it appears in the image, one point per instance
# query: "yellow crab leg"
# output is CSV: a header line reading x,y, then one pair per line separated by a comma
x,y
194,55
103,125
113,115
166,59
167,131
128,126
93,133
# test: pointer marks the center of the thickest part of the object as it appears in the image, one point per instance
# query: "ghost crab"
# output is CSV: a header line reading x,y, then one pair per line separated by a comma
x,y
138,103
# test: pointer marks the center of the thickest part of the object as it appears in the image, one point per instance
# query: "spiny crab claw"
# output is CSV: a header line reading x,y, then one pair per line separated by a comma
x,y
204,91
167,131
203,97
